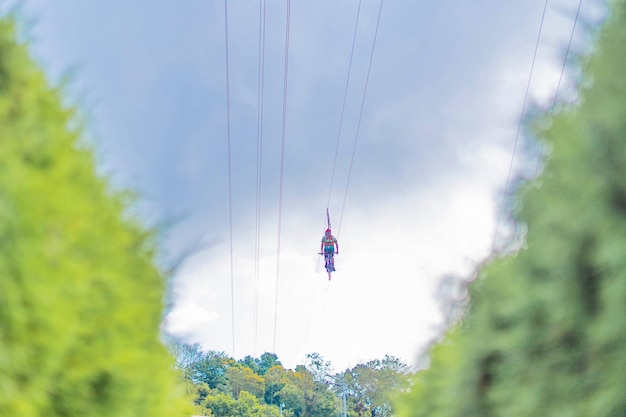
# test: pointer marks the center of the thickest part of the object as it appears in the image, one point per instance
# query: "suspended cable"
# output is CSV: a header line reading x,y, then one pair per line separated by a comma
x,y
358,127
332,177
282,165
519,128
343,106
558,86
259,160
230,199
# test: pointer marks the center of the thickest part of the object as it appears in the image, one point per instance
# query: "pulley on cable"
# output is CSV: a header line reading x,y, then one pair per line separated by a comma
x,y
327,248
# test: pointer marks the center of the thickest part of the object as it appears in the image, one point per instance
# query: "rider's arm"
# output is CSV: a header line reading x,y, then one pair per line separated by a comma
x,y
337,245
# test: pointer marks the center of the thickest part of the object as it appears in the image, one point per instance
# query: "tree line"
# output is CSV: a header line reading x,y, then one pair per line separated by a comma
x,y
224,387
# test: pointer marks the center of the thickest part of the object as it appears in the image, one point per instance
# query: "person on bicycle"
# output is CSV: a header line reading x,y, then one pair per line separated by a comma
x,y
329,242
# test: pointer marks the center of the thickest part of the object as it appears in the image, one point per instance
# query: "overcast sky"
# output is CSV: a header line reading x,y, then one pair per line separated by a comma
x,y
439,123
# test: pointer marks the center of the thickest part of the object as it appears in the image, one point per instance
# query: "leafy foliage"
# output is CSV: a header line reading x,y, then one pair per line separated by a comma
x,y
303,392
545,330
372,385
242,378
211,370
222,405
81,298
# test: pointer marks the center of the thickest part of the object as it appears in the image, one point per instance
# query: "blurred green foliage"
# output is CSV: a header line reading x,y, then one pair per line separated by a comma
x,y
80,296
545,331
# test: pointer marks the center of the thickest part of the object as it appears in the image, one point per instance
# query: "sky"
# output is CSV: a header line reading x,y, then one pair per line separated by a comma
x,y
423,120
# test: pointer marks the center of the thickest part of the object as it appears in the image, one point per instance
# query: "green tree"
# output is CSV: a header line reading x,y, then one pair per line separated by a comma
x,y
199,392
293,398
223,405
275,380
211,370
251,363
81,297
220,405
372,385
186,355
544,334
242,378
319,399
267,361
322,402
319,367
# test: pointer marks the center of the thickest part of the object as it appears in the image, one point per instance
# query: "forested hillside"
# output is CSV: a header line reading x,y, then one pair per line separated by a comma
x,y
225,387
545,331
80,296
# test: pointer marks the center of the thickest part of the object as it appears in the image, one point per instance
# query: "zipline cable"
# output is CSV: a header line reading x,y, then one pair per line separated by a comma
x,y
369,68
541,153
358,127
230,199
282,165
519,128
332,177
259,161
558,87
343,106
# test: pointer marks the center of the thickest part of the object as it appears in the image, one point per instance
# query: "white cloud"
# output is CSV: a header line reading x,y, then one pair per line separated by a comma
x,y
380,300
188,317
